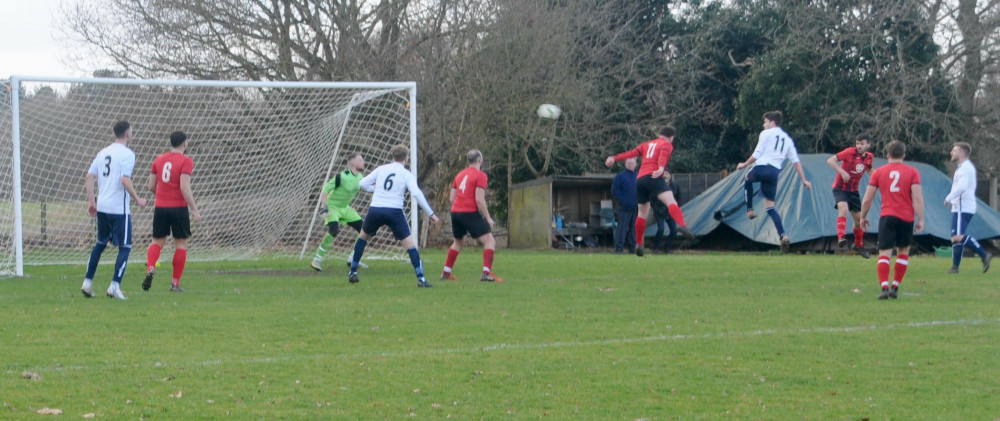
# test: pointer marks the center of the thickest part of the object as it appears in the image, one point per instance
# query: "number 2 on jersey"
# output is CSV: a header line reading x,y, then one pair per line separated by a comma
x,y
894,176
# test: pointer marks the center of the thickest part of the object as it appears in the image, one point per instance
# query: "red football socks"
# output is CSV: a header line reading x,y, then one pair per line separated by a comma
x,y
902,262
180,258
640,230
675,212
449,261
883,271
152,256
488,260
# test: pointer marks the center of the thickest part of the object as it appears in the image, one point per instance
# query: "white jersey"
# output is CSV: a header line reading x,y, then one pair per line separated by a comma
x,y
391,182
963,189
773,146
111,164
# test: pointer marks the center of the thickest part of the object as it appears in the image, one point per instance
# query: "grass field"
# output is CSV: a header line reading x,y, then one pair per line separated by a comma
x,y
566,336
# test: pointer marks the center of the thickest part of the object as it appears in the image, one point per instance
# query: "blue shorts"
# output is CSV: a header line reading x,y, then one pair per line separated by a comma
x,y
767,176
960,222
394,218
116,228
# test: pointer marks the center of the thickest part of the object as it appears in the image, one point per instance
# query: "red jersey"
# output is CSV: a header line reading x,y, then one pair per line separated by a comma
x,y
168,168
466,183
856,164
655,155
895,181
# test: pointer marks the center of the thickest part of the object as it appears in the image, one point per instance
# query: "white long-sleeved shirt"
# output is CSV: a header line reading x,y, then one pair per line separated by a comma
x,y
773,146
391,182
963,189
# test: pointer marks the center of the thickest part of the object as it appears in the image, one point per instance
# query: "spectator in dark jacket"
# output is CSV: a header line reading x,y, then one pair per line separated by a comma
x,y
623,190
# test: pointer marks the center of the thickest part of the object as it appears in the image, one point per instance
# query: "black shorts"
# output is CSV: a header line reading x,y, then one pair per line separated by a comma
x,y
647,188
894,232
852,198
167,220
471,223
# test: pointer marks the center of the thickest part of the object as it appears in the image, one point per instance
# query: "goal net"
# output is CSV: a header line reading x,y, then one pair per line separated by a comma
x,y
262,152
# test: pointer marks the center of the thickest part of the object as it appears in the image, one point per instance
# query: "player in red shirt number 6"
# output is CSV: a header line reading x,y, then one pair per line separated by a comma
x,y
469,215
170,179
902,197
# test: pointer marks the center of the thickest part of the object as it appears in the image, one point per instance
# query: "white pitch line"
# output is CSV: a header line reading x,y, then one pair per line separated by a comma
x,y
516,347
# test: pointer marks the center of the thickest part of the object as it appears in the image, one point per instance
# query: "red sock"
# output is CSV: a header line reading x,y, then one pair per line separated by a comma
x,y
180,257
640,230
152,256
488,260
449,262
859,237
883,271
842,227
675,212
902,262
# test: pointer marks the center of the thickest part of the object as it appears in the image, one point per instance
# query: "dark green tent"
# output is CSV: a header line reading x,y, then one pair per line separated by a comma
x,y
809,215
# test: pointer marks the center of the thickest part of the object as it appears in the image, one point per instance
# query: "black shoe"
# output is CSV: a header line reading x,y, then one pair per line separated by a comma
x,y
750,214
864,253
894,293
353,278
954,269
685,232
884,295
986,262
422,283
639,251
842,242
786,244
148,281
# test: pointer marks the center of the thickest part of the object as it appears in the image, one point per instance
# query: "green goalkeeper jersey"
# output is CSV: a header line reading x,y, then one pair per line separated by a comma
x,y
342,189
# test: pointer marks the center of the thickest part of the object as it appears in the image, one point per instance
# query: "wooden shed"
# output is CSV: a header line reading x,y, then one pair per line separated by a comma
x,y
537,207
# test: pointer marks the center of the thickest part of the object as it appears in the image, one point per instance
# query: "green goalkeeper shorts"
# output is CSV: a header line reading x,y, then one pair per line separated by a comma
x,y
344,215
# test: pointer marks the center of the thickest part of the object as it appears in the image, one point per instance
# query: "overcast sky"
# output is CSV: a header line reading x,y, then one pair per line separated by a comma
x,y
30,42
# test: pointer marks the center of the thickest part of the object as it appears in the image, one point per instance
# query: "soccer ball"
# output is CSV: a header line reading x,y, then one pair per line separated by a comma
x,y
549,111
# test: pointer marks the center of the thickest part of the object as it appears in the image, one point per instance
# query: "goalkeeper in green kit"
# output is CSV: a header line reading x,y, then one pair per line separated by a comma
x,y
338,193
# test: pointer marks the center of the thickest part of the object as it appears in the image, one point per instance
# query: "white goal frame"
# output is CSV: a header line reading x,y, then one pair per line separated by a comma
x,y
15,106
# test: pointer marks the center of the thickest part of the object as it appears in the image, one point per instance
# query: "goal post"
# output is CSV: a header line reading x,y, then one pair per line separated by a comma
x,y
262,152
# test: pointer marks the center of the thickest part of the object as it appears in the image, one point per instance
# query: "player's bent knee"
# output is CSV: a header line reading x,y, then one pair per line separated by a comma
x,y
333,228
